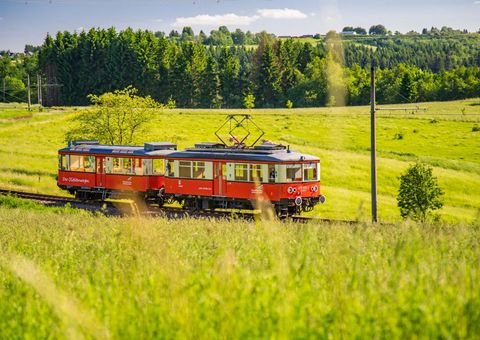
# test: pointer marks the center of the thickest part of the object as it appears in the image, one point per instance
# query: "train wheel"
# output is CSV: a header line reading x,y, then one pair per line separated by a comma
x,y
190,204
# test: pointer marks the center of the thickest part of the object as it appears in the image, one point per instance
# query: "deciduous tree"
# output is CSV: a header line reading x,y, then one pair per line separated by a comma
x,y
419,193
116,117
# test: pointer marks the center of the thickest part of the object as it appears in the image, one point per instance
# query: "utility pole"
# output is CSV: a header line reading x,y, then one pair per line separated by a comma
x,y
373,146
28,92
39,89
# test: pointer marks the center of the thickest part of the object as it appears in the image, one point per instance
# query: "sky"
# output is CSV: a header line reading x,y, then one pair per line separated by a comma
x,y
28,21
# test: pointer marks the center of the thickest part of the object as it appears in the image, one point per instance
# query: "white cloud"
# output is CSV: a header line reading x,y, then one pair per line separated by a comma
x,y
240,20
158,20
215,20
476,2
279,13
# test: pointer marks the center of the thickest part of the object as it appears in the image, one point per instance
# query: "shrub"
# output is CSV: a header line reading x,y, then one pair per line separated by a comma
x,y
419,193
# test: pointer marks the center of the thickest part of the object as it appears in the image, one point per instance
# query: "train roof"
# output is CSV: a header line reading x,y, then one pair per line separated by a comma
x,y
267,152
94,147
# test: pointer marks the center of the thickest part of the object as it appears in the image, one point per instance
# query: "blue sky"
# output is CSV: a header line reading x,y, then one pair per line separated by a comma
x,y
28,21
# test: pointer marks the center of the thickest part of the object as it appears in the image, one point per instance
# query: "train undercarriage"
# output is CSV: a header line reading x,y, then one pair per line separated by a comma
x,y
282,208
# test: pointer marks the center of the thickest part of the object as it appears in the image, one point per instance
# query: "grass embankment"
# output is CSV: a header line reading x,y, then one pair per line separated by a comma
x,y
441,137
68,275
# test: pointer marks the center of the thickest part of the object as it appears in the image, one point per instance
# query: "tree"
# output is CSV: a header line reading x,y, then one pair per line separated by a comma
x,y
15,90
238,37
202,37
269,78
249,101
408,88
187,34
360,30
419,193
174,34
210,90
116,118
377,30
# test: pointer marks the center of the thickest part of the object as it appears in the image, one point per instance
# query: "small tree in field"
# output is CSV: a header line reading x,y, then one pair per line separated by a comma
x,y
116,117
419,193
249,101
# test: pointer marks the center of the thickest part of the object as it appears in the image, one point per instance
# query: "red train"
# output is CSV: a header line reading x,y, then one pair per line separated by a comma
x,y
208,176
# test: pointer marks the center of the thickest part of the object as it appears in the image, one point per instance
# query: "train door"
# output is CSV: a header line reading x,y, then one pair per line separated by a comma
x,y
219,178
100,172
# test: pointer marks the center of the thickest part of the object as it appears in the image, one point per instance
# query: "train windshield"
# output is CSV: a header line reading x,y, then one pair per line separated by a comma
x,y
310,172
294,172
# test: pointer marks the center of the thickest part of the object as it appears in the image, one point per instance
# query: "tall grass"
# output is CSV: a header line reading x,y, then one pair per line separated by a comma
x,y
144,278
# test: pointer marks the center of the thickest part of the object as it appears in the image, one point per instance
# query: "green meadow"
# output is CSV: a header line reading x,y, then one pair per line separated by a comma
x,y
67,274
443,136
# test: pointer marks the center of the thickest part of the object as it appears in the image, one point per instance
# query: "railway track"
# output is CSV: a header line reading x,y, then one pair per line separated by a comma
x,y
120,208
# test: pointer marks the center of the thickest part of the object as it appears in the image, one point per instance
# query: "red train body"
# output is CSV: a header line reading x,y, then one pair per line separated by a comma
x,y
209,176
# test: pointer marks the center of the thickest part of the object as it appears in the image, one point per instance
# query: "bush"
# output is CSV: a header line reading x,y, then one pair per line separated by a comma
x,y
419,193
398,136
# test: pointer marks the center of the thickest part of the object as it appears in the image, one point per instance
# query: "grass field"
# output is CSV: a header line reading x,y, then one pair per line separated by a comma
x,y
67,274
70,274
441,137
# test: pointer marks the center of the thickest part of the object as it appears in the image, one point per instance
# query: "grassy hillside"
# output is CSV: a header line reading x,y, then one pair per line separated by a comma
x,y
68,275
442,137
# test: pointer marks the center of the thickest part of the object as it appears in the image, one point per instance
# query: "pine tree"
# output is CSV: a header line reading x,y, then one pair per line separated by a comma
x,y
268,81
408,88
210,88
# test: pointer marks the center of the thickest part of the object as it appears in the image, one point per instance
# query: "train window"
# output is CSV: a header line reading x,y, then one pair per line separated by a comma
x,y
81,163
185,169
89,163
272,173
170,168
255,173
199,170
62,162
138,166
76,163
310,172
241,172
158,166
117,165
294,172
127,166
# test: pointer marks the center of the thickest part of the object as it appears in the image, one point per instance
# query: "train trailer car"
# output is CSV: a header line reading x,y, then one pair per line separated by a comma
x,y
92,171
215,176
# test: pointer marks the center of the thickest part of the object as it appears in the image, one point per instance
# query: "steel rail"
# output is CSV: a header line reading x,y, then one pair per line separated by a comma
x,y
118,208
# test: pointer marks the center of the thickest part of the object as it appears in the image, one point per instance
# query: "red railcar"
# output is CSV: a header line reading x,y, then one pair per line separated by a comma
x,y
90,170
212,176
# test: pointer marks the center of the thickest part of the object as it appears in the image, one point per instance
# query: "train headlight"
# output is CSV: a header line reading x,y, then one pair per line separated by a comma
x,y
291,190
314,188
298,200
